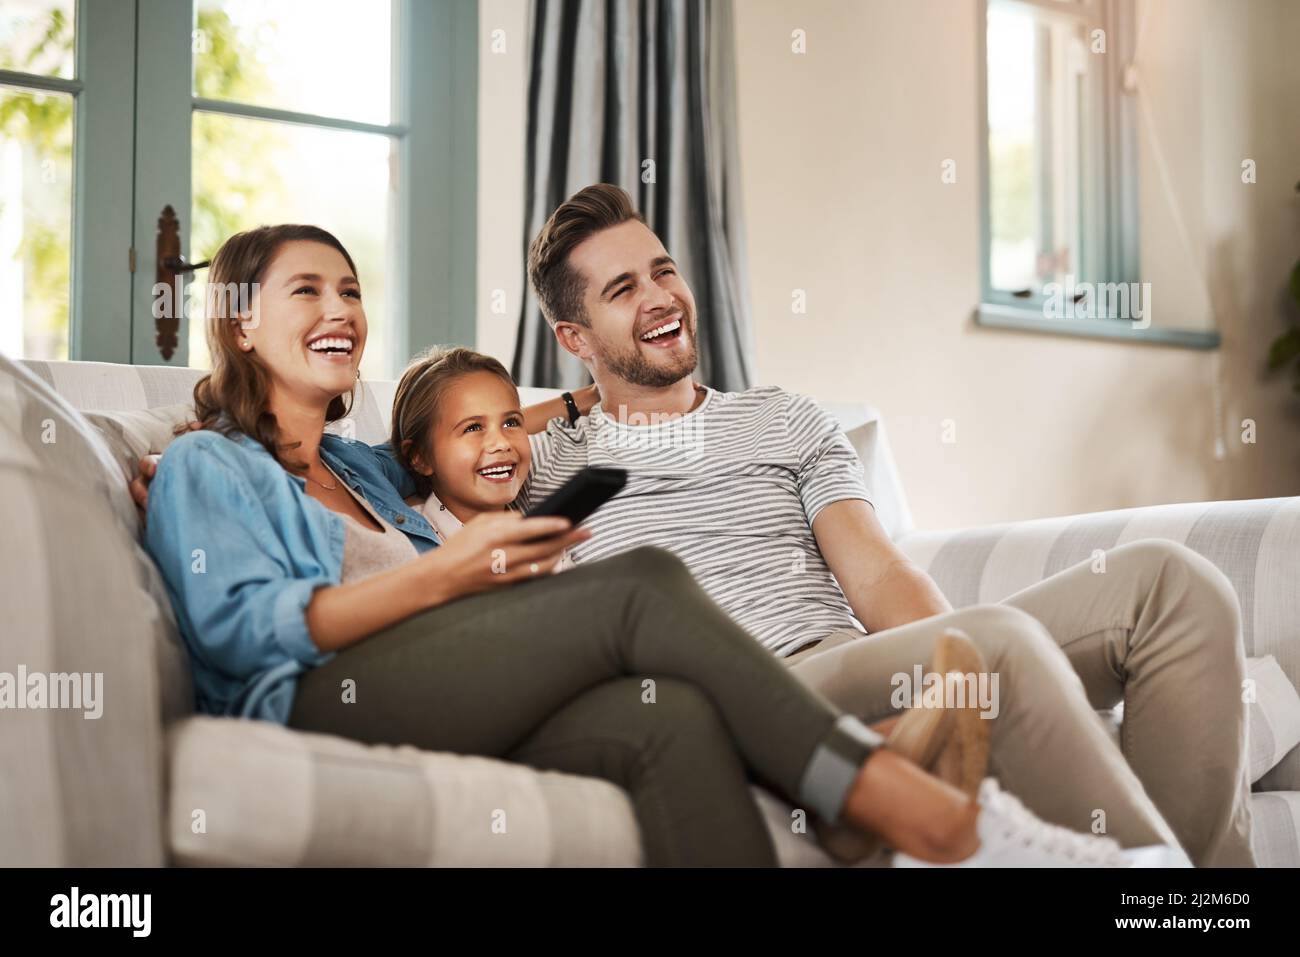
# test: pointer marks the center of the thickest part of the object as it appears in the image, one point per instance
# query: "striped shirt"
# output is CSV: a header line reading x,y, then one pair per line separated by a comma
x,y
732,489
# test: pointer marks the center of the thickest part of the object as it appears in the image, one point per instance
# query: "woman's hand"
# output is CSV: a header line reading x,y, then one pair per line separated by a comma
x,y
496,549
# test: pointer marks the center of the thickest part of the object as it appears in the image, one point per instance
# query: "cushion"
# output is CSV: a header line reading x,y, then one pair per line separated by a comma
x,y
79,790
93,386
1274,715
133,433
1275,828
257,793
130,436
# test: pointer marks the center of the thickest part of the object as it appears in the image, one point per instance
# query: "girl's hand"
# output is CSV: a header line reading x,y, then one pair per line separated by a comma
x,y
496,549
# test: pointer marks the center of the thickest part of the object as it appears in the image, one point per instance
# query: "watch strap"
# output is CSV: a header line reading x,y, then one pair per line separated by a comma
x,y
574,414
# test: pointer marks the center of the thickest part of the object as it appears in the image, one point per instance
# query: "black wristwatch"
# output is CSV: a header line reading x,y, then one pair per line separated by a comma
x,y
574,414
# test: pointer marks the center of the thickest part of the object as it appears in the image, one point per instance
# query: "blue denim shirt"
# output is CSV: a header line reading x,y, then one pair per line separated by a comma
x,y
242,548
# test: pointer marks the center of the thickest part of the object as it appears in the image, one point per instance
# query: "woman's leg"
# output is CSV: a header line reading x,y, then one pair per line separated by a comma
x,y
676,761
481,675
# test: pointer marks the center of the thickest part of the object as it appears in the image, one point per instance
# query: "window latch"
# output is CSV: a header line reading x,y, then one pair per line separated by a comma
x,y
169,288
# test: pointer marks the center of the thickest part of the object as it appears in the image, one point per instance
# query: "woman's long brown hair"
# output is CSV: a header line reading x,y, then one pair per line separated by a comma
x,y
235,396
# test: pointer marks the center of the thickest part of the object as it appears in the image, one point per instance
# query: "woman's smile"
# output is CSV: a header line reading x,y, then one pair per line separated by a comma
x,y
335,347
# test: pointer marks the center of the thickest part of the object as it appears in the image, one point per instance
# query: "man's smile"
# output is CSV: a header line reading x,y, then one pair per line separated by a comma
x,y
665,332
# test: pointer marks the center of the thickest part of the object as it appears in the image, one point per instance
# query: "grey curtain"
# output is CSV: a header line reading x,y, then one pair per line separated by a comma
x,y
614,83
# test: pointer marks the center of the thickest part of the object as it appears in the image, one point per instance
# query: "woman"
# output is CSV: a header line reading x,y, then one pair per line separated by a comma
x,y
309,593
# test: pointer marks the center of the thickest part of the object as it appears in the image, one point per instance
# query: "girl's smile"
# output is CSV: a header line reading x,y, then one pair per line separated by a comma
x,y
479,454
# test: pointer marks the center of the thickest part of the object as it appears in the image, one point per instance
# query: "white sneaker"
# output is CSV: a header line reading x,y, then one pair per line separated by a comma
x,y
1010,836
1157,855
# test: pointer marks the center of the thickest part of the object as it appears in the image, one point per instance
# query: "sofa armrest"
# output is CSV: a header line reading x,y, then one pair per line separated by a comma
x,y
1255,543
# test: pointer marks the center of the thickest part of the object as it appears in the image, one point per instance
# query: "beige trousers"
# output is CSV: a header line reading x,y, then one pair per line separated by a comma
x,y
1159,630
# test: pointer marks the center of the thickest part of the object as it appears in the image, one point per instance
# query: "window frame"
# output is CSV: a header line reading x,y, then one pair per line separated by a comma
x,y
1109,187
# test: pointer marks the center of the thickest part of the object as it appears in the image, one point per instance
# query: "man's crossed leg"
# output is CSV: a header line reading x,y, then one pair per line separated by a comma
x,y
1160,631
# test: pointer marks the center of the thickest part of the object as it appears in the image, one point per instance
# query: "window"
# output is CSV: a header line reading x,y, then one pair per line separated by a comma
x,y
293,122
1060,190
38,88
360,119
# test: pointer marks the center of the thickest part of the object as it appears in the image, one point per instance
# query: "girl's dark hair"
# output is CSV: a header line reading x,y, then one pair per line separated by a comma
x,y
420,390
235,396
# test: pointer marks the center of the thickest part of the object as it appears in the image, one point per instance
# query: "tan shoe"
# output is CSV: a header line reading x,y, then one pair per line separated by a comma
x,y
950,743
954,748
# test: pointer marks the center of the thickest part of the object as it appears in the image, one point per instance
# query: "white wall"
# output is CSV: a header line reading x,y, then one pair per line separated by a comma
x,y
502,124
842,149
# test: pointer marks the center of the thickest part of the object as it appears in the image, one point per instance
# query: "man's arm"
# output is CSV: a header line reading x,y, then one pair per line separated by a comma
x,y
884,587
536,416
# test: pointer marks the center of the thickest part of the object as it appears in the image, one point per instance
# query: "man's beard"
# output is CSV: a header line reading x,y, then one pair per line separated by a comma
x,y
634,368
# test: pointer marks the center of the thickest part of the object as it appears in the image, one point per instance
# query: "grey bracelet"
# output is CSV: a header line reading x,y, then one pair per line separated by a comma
x,y
835,764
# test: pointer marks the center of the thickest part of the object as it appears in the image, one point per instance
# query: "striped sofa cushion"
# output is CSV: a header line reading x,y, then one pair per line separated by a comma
x,y
1274,720
1275,833
257,793
76,790
110,387
1256,543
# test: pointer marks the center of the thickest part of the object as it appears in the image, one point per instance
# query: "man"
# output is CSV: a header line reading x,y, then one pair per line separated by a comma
x,y
762,497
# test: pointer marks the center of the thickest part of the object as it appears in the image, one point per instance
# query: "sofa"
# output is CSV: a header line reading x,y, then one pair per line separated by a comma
x,y
149,783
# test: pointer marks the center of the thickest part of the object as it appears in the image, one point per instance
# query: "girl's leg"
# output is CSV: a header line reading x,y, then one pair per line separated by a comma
x,y
676,761
481,675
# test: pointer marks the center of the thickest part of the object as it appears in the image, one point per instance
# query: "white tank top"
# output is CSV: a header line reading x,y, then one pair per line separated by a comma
x,y
366,551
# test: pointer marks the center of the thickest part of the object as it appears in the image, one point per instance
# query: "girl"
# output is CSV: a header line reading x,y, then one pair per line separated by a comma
x,y
461,409
317,571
